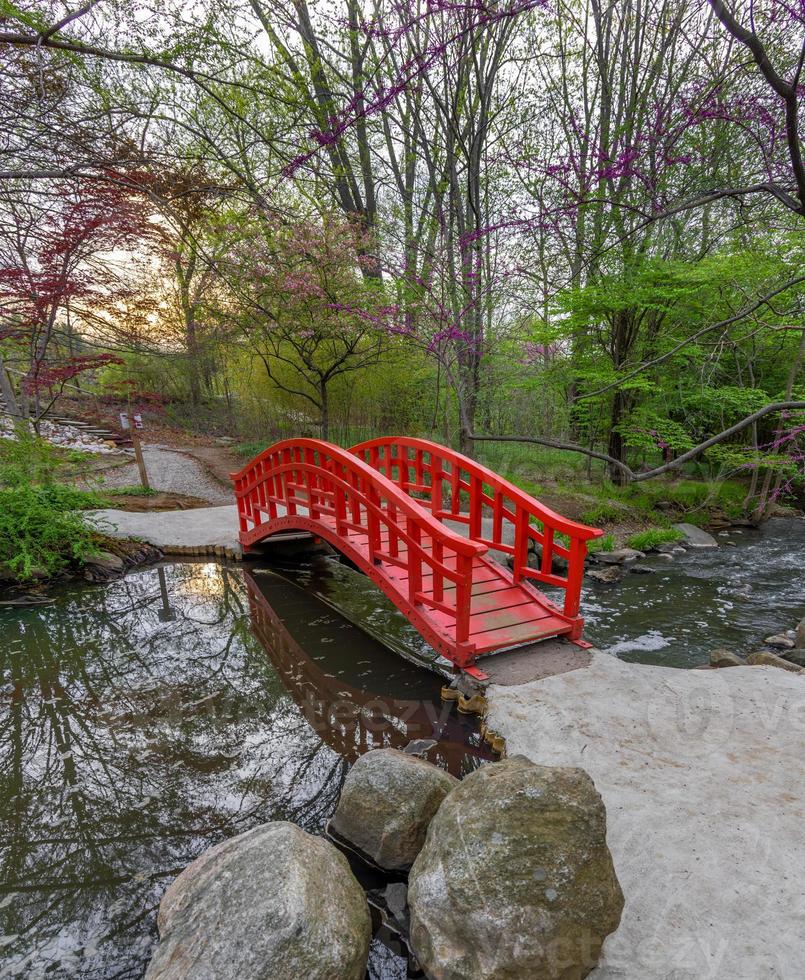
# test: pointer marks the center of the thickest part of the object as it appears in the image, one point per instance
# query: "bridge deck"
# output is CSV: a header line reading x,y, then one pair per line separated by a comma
x,y
502,613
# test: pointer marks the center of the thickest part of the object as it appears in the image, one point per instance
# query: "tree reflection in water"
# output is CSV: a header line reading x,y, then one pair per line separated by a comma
x,y
131,741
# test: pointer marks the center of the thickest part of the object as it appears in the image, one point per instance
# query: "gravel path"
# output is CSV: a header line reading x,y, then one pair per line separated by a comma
x,y
173,472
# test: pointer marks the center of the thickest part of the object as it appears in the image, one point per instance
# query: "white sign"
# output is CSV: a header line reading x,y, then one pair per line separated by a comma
x,y
124,420
138,420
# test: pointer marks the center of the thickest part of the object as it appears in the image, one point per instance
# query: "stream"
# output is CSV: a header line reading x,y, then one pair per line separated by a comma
x,y
143,721
733,596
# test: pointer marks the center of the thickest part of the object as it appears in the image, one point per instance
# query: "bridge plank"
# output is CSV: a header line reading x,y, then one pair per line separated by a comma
x,y
525,632
507,597
496,619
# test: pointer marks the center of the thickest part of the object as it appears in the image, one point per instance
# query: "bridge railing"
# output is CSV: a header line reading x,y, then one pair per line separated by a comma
x,y
311,484
498,514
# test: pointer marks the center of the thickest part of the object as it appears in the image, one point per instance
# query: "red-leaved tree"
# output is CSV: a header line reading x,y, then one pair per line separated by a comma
x,y
65,265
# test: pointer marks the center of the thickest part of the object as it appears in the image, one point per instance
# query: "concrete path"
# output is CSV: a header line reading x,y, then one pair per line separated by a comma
x,y
703,777
205,530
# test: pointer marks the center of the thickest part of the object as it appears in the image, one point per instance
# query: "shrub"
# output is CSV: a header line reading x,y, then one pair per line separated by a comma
x,y
26,459
646,540
41,529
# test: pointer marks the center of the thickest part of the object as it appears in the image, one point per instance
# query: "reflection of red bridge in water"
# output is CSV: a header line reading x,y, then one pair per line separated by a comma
x,y
352,721
383,504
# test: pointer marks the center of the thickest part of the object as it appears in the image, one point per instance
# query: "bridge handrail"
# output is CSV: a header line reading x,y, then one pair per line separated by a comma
x,y
331,482
507,502
406,503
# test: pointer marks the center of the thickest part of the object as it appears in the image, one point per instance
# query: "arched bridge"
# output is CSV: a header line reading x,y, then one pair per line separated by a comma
x,y
420,520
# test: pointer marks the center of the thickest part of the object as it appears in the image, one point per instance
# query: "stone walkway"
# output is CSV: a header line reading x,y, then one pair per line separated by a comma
x,y
703,777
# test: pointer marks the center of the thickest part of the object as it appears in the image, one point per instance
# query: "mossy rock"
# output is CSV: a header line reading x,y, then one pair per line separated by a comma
x,y
515,879
273,902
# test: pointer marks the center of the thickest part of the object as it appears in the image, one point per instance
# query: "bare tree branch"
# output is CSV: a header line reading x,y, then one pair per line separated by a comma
x,y
659,470
787,91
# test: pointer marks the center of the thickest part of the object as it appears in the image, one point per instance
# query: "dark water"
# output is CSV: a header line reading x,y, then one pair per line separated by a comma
x,y
144,721
751,586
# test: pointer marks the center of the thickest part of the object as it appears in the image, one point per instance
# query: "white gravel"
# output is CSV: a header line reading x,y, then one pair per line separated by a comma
x,y
65,436
173,472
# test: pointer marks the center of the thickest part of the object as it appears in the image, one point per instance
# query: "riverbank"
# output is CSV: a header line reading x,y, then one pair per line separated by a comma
x,y
703,778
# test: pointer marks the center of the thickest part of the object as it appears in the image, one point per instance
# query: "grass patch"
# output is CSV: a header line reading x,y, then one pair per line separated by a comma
x,y
132,492
520,462
607,543
646,540
661,502
603,513
248,450
688,496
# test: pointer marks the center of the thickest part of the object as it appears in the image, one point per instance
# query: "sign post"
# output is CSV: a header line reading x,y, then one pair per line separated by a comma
x,y
135,441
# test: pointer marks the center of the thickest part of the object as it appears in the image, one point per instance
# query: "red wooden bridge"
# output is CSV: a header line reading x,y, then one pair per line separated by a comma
x,y
384,504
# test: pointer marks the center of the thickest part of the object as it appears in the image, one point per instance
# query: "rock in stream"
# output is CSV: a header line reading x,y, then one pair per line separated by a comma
x,y
387,802
695,537
274,903
765,658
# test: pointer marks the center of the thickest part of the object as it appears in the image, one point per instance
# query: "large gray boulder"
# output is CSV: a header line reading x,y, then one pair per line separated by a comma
x,y
515,879
271,904
387,802
765,658
695,537
799,637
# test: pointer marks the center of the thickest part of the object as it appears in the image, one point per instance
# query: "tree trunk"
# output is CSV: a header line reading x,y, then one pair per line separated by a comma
x,y
466,424
466,444
324,423
193,359
774,478
616,448
184,277
7,392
